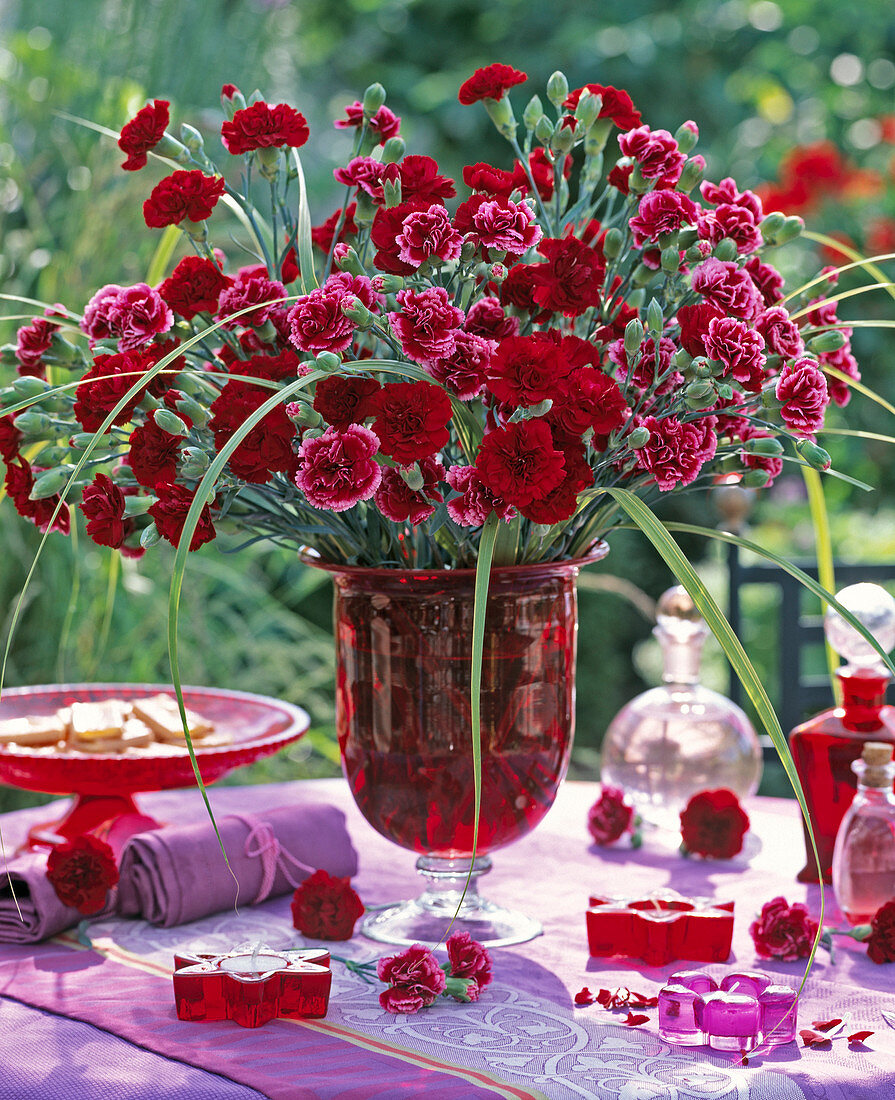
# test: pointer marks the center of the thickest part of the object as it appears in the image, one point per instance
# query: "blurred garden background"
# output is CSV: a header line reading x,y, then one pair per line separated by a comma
x,y
796,98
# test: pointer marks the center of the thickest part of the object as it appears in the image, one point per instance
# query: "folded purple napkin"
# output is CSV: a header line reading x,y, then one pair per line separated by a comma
x,y
40,913
178,874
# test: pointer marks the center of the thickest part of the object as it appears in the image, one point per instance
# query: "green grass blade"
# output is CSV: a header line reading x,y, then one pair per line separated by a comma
x,y
859,387
303,240
824,550
833,299
658,534
852,253
158,265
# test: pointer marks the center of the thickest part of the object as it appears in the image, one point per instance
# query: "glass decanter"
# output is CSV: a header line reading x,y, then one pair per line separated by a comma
x,y
825,747
674,740
864,854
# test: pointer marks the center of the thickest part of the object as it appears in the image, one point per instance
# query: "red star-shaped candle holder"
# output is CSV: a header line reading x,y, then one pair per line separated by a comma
x,y
252,986
660,927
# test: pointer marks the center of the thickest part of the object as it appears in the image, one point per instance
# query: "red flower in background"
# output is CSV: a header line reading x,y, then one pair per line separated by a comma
x,y
189,196
385,123
610,817
492,82
617,104
31,343
881,943
102,503
82,871
260,126
783,931
713,824
144,131
170,511
322,235
326,908
345,399
194,286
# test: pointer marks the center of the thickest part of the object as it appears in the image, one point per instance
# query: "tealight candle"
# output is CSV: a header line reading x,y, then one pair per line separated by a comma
x,y
778,1005
677,1022
697,980
730,1020
746,981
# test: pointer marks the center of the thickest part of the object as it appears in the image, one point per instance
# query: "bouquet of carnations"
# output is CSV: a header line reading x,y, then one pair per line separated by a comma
x,y
522,351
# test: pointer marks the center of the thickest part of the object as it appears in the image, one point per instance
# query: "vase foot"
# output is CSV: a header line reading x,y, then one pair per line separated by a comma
x,y
409,922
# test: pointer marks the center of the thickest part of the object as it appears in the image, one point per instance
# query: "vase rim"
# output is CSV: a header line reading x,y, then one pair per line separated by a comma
x,y
595,552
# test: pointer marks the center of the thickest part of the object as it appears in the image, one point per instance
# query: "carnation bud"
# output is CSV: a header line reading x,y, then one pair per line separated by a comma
x,y
149,536
232,100
671,260
393,150
350,261
195,462
328,361
686,136
29,386
755,478
544,130
365,210
33,423
557,89
8,357
302,412
374,97
642,275
769,397
699,394
588,110
682,359
763,445
692,173
498,272
725,391
633,336
196,412
792,228
636,182
703,368
771,226
312,433
725,249
613,242
655,322
467,251
49,483
595,138
638,438
815,456
541,409
412,477
138,505
80,441
387,284
191,138
169,422
697,252
355,310
563,139
532,113
501,114
391,190
169,146
687,236
831,340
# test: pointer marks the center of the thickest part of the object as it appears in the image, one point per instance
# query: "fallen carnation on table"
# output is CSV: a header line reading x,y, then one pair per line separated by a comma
x,y
326,908
611,817
82,872
416,979
783,931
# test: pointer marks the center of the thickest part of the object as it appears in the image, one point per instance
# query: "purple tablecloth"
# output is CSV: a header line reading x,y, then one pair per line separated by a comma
x,y
524,1038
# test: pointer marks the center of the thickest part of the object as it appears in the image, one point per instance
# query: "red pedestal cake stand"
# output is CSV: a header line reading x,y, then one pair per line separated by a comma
x,y
104,785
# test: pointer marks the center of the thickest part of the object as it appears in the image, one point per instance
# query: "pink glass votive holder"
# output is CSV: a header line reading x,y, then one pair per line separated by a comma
x,y
677,1022
697,980
730,1020
778,1005
752,982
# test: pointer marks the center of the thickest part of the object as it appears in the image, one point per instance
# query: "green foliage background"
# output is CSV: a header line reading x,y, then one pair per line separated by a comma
x,y
758,77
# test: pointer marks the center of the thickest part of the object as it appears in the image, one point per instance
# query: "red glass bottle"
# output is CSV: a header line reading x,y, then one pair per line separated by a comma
x,y
825,747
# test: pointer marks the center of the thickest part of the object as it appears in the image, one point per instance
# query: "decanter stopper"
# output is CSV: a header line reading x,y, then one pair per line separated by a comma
x,y
681,632
874,608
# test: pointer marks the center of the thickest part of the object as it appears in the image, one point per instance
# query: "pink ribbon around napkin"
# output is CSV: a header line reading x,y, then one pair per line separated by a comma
x,y
177,873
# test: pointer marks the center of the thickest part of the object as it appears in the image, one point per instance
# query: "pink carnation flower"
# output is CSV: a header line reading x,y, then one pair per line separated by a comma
x,y
655,151
675,452
251,288
339,468
729,287
802,389
427,323
426,235
475,502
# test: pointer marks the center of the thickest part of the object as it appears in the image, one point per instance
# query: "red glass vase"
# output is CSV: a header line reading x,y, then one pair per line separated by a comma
x,y
403,653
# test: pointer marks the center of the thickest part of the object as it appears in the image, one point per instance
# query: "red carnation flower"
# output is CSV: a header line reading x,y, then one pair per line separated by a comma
x,y
525,370
730,288
781,334
105,384
102,503
571,279
411,420
385,123
399,503
616,106
326,908
415,977
490,180
469,959
661,212
610,816
487,318
740,348
881,942
420,180
261,126
783,931
475,502
694,322
194,286
561,502
428,235
322,235
492,82
251,287
82,871
31,343
267,449
19,481
463,372
339,468
170,511
153,454
519,463
144,131
317,322
10,437
767,279
498,223
655,152
182,195
588,398
384,232
345,399
713,824
728,220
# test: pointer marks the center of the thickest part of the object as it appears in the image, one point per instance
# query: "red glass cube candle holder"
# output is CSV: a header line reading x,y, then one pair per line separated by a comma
x,y
252,987
660,927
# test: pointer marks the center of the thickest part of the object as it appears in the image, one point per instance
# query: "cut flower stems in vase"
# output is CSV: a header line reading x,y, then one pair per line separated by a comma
x,y
443,375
